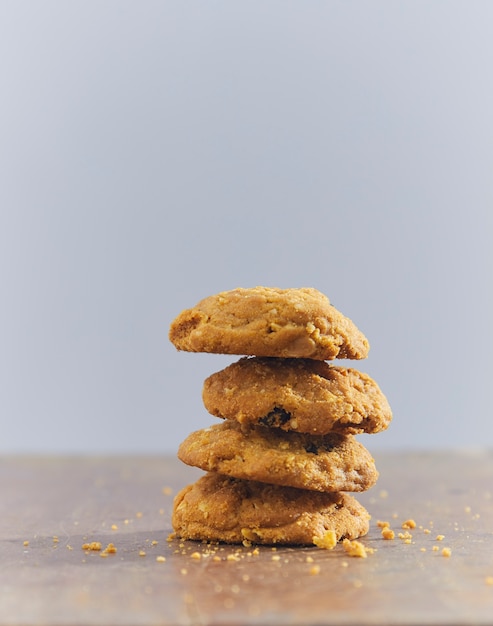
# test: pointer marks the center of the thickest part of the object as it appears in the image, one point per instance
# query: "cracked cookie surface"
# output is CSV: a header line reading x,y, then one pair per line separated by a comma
x,y
322,463
219,508
266,321
303,395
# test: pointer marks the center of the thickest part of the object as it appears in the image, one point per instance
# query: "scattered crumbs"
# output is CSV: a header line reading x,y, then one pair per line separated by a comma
x,y
344,564
405,536
142,553
69,547
446,552
328,541
114,527
314,570
110,549
167,491
467,509
275,557
94,546
440,537
196,556
422,549
245,578
216,558
489,580
427,531
256,552
384,494
409,523
233,557
382,524
171,536
183,572
126,521
161,559
55,539
247,543
388,533
356,548
309,559
154,542
435,548
25,544
139,514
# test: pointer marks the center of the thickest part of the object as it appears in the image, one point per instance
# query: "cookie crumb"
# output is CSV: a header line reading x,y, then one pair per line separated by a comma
x,y
382,524
405,536
196,555
160,559
314,570
25,544
388,533
328,541
94,546
355,548
440,537
142,553
410,523
446,552
110,549
489,580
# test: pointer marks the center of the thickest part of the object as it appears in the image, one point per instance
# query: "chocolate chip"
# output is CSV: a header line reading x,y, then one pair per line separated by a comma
x,y
277,417
311,447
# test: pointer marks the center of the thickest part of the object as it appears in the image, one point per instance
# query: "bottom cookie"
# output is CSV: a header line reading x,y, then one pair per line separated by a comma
x,y
224,509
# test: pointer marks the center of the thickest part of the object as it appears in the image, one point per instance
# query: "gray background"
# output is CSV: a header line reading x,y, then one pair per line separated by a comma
x,y
153,153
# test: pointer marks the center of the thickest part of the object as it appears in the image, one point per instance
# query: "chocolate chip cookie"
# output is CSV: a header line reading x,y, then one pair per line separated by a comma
x,y
219,508
266,321
322,463
303,395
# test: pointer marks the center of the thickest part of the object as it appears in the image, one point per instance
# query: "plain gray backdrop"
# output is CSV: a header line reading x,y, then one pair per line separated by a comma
x,y
155,152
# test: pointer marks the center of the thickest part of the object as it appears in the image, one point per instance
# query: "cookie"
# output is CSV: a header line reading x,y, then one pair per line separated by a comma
x,y
219,508
302,395
265,321
270,455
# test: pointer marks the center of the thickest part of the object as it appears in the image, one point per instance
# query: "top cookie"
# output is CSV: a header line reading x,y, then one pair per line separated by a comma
x,y
264,321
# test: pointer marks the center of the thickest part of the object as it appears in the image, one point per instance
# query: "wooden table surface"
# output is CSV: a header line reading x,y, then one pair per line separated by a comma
x,y
51,507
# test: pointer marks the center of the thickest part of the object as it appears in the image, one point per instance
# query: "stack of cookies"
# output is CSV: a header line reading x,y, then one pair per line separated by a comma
x,y
281,464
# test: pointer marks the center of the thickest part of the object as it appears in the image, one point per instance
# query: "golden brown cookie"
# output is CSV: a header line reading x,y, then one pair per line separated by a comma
x,y
303,395
218,508
322,463
265,321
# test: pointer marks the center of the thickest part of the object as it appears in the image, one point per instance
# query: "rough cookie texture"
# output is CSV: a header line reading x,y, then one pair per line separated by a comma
x,y
302,395
218,508
323,463
265,321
